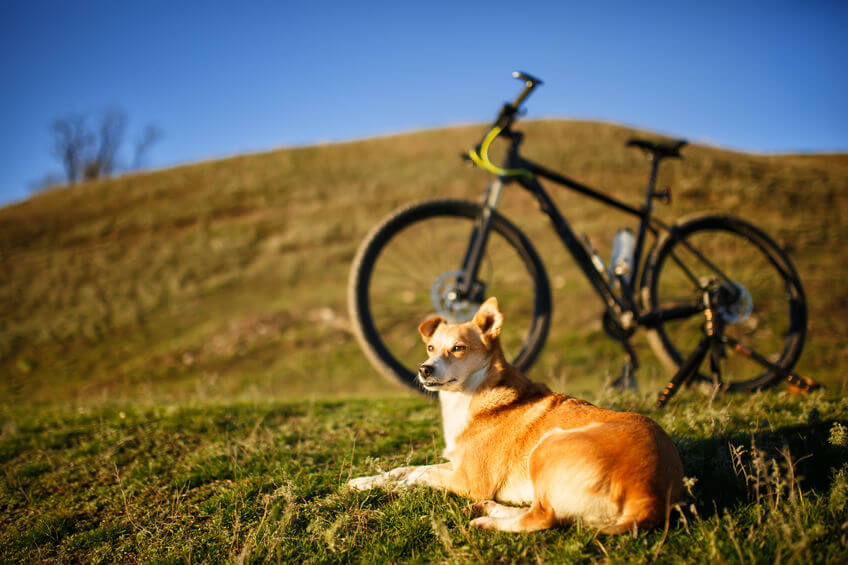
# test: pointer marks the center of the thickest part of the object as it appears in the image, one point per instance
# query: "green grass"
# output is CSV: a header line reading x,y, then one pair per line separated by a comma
x,y
265,481
178,379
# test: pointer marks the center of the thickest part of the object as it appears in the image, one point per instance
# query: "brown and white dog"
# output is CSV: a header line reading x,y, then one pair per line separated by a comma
x,y
553,456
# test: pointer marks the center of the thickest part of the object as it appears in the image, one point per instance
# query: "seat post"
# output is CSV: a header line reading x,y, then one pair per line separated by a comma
x,y
652,177
646,210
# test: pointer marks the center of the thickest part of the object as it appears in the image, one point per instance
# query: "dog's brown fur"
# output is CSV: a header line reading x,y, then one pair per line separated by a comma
x,y
509,439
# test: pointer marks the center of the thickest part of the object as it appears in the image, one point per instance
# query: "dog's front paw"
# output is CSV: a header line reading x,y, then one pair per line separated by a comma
x,y
402,476
484,522
483,507
366,483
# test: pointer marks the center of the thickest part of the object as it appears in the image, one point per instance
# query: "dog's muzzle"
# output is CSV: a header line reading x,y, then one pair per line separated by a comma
x,y
427,376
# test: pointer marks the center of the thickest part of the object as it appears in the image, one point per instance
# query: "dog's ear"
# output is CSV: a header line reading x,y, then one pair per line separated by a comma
x,y
489,319
428,327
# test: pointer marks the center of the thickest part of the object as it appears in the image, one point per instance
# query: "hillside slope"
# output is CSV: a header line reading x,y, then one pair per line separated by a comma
x,y
227,279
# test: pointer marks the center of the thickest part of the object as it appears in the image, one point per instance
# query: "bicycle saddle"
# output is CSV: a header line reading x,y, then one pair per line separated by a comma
x,y
659,150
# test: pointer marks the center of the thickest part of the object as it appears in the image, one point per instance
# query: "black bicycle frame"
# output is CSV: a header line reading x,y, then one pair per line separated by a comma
x,y
473,255
617,304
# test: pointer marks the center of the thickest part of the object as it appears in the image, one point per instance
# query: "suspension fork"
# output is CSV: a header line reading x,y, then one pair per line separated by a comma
x,y
468,286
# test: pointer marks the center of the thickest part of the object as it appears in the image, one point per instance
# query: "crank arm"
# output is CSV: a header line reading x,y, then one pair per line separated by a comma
x,y
803,384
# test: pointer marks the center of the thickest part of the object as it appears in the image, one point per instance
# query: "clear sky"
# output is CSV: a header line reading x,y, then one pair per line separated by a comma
x,y
222,78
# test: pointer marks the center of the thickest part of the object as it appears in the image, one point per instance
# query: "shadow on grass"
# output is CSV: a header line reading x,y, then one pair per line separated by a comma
x,y
732,469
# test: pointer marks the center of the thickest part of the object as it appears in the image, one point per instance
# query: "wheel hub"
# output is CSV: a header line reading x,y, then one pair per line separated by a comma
x,y
735,311
447,301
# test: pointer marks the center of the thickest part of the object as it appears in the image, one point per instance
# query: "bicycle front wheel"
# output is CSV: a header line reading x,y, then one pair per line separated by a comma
x,y
408,268
767,312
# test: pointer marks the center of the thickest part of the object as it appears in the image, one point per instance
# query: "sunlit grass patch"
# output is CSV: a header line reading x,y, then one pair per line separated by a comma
x,y
766,476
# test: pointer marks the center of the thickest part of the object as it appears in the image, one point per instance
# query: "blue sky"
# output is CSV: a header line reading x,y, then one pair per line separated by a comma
x,y
222,78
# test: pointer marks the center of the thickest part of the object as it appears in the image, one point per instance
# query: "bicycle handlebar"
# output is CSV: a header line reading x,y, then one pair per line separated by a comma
x,y
510,109
479,154
480,157
530,83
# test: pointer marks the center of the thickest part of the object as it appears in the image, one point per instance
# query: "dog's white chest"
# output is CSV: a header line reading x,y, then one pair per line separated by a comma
x,y
454,418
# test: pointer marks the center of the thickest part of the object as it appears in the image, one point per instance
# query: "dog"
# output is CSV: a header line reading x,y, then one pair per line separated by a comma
x,y
532,458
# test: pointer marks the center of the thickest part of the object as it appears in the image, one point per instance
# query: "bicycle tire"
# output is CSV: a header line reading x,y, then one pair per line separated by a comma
x,y
776,325
419,214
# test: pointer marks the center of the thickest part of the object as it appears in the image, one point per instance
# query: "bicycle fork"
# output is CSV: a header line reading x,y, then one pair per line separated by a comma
x,y
469,287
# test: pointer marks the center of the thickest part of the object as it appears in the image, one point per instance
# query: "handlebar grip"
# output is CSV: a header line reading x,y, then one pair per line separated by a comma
x,y
530,80
530,83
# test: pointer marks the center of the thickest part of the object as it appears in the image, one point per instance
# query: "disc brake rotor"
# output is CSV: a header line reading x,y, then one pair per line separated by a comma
x,y
739,310
446,300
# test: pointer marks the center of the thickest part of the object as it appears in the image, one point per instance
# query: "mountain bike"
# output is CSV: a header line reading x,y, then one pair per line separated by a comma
x,y
710,287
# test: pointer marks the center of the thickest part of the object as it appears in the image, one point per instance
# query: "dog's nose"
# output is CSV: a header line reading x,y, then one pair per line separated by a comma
x,y
425,370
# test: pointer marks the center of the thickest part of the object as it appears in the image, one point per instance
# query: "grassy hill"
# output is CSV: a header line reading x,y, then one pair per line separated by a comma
x,y
227,279
170,341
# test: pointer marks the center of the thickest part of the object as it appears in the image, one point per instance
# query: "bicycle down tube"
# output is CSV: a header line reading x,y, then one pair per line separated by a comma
x,y
569,239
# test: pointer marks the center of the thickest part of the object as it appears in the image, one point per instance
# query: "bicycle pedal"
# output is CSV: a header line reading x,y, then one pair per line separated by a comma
x,y
802,385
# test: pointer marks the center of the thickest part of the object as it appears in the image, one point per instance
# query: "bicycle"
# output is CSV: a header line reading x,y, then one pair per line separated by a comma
x,y
751,324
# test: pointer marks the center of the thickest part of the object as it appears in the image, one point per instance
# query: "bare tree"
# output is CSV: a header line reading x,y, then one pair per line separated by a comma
x,y
88,152
72,142
113,123
150,135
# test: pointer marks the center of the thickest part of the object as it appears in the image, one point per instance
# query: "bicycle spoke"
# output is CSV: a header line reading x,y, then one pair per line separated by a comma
x,y
406,274
705,261
687,272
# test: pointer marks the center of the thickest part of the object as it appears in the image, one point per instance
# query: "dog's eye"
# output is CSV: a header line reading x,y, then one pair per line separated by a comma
x,y
430,348
457,348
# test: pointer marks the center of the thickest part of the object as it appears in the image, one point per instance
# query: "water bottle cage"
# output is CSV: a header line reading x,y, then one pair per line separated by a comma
x,y
622,268
664,195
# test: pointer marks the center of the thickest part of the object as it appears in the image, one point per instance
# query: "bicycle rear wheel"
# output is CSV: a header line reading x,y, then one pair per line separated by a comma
x,y
407,269
767,315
